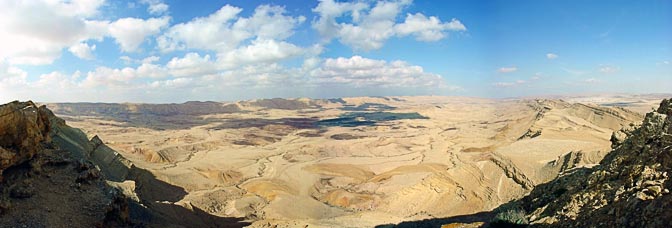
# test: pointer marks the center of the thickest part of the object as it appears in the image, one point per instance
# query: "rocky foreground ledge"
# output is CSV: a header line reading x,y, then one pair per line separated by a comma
x,y
44,185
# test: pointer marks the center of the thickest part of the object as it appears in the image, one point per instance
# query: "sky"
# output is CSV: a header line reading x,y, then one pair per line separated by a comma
x,y
170,51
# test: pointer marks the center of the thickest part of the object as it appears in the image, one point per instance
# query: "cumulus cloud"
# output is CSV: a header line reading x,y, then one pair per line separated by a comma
x,y
223,50
36,32
28,34
507,69
108,77
11,76
260,51
130,33
552,56
427,28
363,72
191,65
149,59
172,83
83,50
370,27
156,81
329,10
224,30
155,7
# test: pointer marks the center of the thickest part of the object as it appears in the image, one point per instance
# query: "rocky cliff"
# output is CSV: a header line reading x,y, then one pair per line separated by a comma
x,y
46,185
629,188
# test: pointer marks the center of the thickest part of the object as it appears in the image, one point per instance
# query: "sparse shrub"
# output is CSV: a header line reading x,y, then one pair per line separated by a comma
x,y
559,192
514,217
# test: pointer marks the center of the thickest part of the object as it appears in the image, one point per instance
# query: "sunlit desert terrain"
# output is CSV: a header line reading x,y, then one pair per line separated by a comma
x,y
357,162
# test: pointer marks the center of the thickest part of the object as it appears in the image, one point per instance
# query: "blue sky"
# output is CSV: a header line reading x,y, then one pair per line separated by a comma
x,y
175,51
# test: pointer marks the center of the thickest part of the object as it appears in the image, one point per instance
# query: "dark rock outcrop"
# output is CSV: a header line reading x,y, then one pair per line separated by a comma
x,y
23,129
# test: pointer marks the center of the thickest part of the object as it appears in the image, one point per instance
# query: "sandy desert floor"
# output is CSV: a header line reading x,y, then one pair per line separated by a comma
x,y
363,162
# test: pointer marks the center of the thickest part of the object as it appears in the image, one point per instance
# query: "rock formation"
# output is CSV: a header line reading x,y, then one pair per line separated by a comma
x,y
629,188
43,185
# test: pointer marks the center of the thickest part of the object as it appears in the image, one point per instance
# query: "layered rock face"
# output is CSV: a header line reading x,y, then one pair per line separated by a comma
x,y
629,188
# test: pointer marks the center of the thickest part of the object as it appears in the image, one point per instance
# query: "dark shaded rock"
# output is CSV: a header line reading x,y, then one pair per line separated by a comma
x,y
22,190
23,129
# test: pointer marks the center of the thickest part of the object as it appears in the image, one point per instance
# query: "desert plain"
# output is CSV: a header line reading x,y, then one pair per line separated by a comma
x,y
359,161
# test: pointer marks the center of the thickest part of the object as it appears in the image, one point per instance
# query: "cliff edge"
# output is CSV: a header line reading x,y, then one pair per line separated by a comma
x,y
629,188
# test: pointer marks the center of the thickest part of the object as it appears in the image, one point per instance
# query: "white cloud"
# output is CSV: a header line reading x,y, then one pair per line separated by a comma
x,y
507,69
83,50
329,10
151,71
108,77
147,60
224,30
28,29
11,76
191,65
211,32
362,72
224,51
260,51
427,29
36,32
269,22
172,83
237,41
155,7
130,33
55,80
552,56
150,59
262,76
370,26
607,69
374,28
